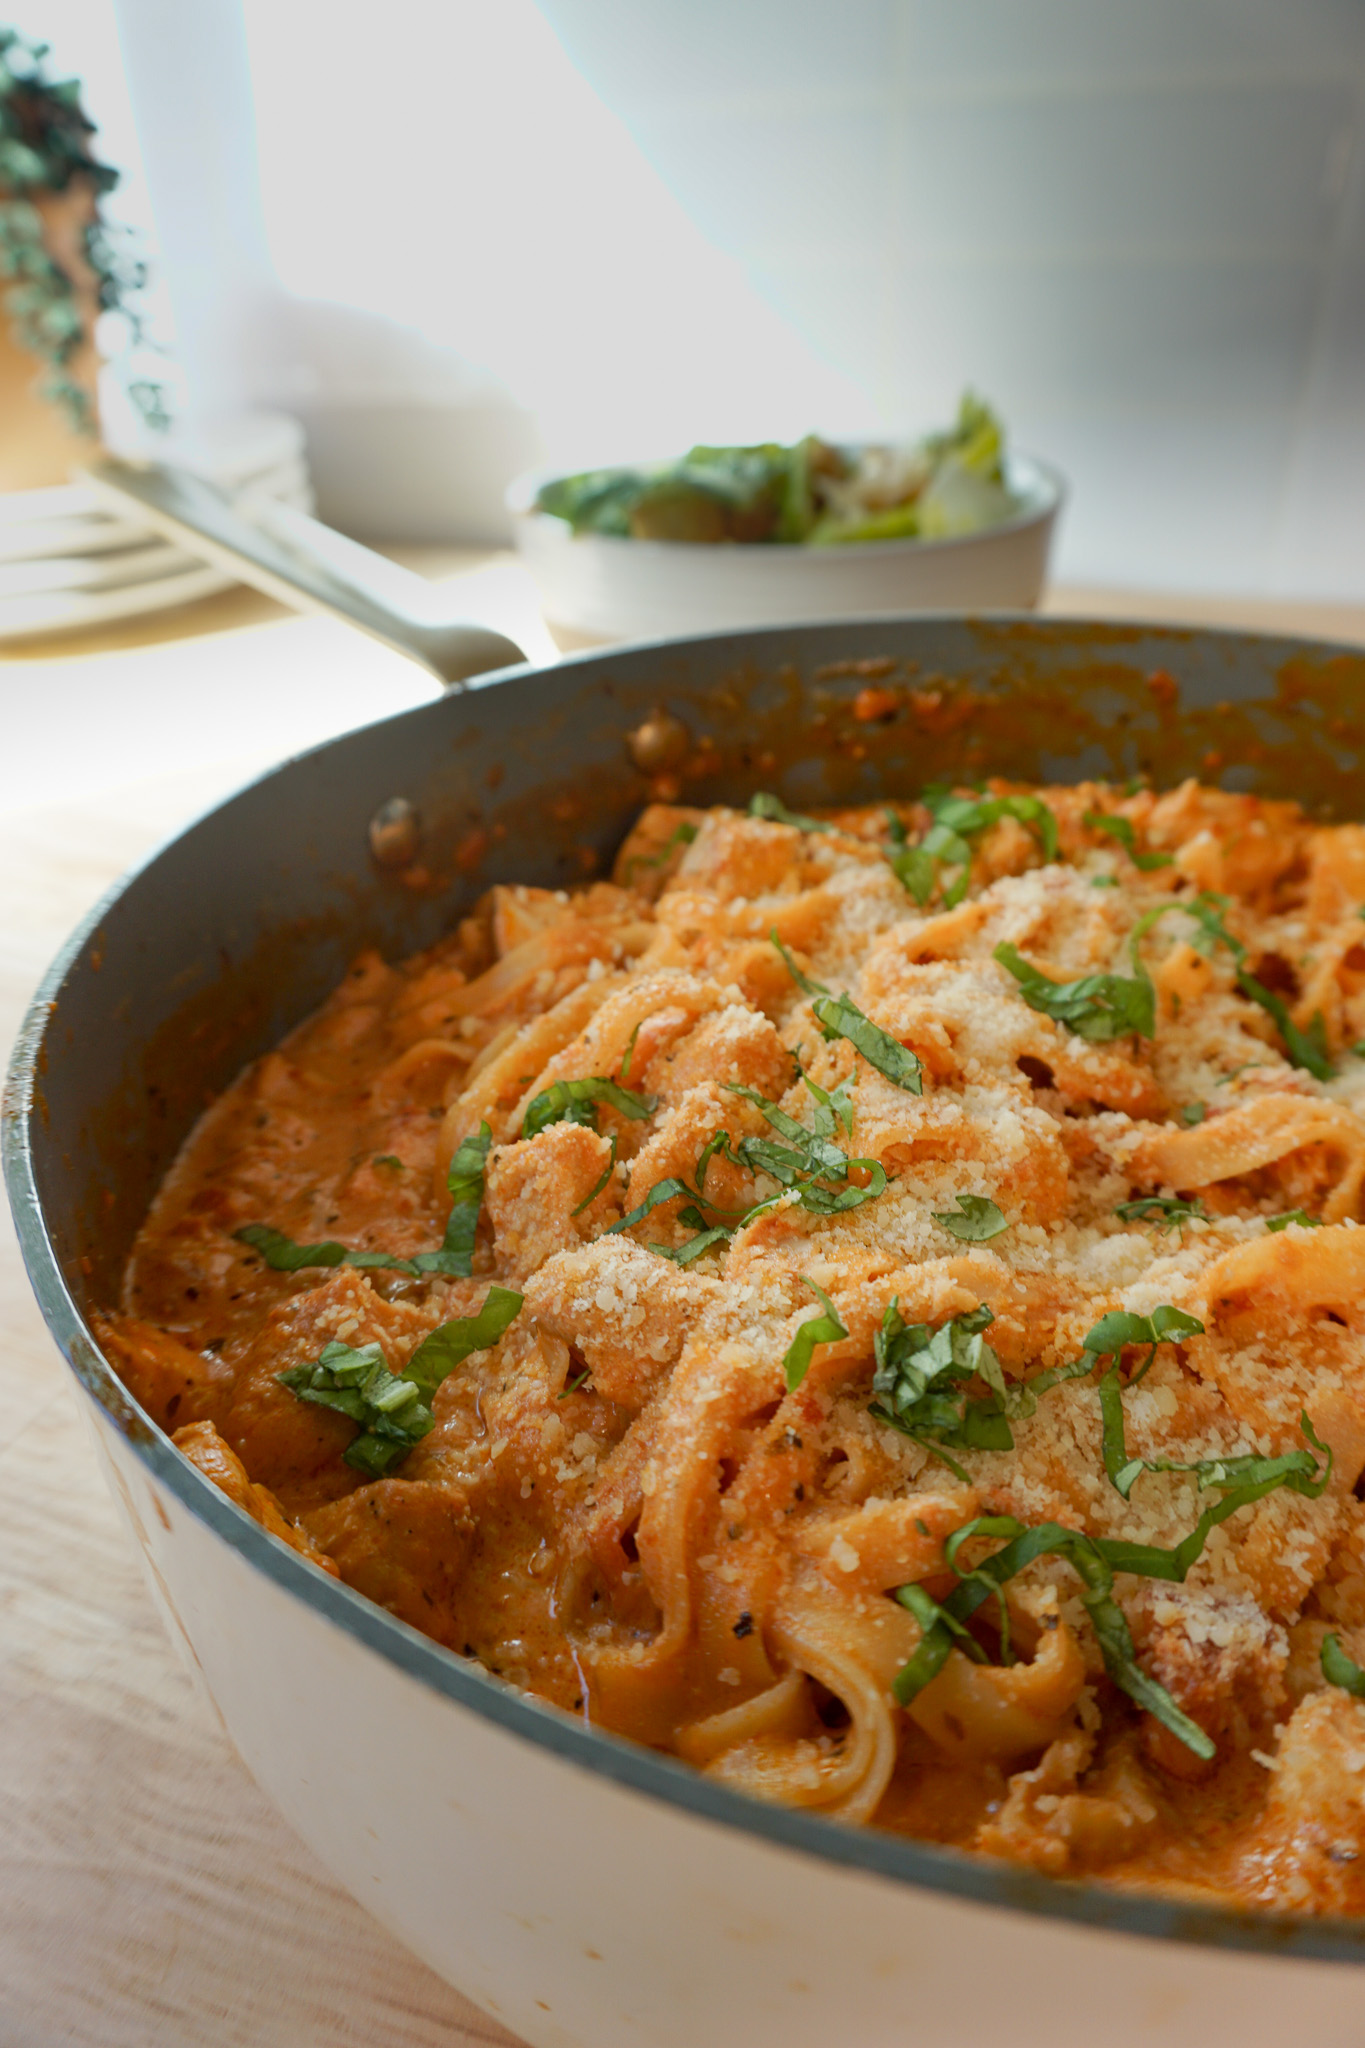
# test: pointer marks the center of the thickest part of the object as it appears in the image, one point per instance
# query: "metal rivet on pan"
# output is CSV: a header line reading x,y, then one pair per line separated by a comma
x,y
661,742
394,833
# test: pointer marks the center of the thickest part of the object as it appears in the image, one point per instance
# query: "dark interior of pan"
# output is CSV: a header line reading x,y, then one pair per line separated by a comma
x,y
228,937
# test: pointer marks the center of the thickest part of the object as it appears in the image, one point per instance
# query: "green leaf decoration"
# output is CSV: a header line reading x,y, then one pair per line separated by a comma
x,y
1306,1049
1168,1210
1121,829
391,1410
464,1180
763,804
1098,1007
840,1017
1095,1565
1339,1669
821,1329
577,1102
919,1385
1299,1216
977,1220
438,1354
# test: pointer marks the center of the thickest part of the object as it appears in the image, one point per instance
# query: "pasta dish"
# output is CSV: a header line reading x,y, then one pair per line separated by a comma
x,y
868,1303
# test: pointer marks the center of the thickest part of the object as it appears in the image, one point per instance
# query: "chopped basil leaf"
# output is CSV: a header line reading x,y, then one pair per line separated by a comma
x,y
762,804
1300,1216
977,1222
1120,1327
1091,1560
683,1254
662,1191
576,1102
931,1616
1193,1112
823,1329
840,1017
1104,881
1107,1618
572,1386
388,1159
807,1158
465,1182
818,1154
358,1384
630,1052
283,1255
921,1377
957,819
1098,1007
1168,1210
833,1108
1337,1667
916,871
607,1171
439,1354
682,835
1247,1478
1122,830
965,816
1306,1049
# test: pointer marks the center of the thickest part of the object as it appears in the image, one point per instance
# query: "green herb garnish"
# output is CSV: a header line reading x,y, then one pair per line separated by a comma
x,y
599,1184
390,1409
763,804
977,1221
1121,1327
822,1329
389,1159
1095,1562
1293,1216
682,835
1306,1049
1122,830
840,1017
808,1157
450,1345
920,1384
956,820
455,1258
1241,1480
576,1102
1168,1210
465,1182
1193,1112
1338,1668
1098,1007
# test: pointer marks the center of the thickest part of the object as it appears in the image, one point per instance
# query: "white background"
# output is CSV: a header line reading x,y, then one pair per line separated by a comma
x,y
1139,228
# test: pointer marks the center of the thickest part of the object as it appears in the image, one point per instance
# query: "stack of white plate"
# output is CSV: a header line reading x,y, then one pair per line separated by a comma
x,y
66,562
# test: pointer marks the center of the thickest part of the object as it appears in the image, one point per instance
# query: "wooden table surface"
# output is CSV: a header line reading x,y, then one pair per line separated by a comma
x,y
150,1897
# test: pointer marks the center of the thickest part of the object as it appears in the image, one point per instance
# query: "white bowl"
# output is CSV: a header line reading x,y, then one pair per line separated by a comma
x,y
618,589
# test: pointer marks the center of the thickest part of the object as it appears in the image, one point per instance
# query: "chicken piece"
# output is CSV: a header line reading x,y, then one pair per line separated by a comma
x,y
404,1545
207,1452
1309,1853
174,1384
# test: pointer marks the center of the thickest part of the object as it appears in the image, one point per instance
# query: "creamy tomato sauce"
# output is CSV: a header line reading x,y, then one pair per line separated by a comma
x,y
800,1304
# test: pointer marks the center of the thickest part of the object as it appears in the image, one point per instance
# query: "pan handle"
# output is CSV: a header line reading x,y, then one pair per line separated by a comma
x,y
304,564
